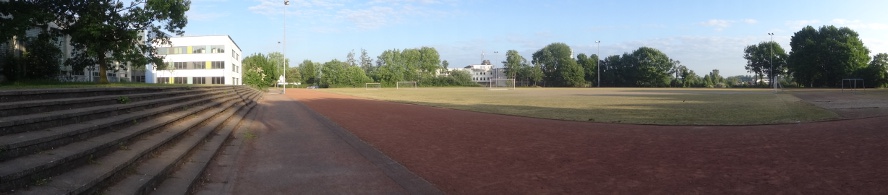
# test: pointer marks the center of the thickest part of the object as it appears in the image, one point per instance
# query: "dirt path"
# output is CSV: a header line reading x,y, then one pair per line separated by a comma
x,y
465,152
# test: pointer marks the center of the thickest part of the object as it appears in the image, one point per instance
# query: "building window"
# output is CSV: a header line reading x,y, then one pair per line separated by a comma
x,y
180,65
180,80
139,79
199,49
232,54
177,50
196,65
233,68
199,80
218,64
162,51
218,80
217,49
163,80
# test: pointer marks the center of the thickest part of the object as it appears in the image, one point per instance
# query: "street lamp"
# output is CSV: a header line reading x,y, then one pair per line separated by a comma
x,y
598,63
771,61
284,63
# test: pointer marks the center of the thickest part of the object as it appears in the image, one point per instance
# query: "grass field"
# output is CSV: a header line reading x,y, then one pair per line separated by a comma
x,y
663,106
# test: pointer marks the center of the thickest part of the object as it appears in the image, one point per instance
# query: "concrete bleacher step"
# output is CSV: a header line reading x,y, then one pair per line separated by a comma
x,y
150,173
49,105
46,94
26,170
106,156
19,144
22,123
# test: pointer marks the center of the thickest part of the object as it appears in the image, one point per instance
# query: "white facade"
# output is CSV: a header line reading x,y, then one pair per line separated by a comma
x,y
198,60
482,73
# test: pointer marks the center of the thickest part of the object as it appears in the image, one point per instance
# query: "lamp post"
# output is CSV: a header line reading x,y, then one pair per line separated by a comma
x,y
771,61
284,63
598,62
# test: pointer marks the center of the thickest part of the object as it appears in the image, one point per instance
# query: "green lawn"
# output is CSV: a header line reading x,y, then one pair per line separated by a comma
x,y
616,105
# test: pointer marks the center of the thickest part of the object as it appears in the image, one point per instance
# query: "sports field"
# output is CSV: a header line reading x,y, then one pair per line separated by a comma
x,y
663,106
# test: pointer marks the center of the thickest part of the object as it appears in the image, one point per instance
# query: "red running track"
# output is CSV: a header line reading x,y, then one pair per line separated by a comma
x,y
465,152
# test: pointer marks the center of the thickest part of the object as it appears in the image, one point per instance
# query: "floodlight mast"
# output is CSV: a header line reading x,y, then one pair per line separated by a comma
x,y
284,63
771,61
598,63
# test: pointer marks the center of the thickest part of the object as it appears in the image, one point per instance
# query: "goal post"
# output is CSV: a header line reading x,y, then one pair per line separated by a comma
x,y
372,86
501,84
405,84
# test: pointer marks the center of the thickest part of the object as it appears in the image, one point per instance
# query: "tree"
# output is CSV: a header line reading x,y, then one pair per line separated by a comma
x,y
109,31
280,62
293,75
310,72
759,58
558,67
260,71
40,60
513,63
590,66
876,73
366,62
653,67
18,16
824,57
350,59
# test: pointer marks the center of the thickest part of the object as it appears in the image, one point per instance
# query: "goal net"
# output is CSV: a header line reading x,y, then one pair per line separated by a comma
x,y
406,84
372,86
501,84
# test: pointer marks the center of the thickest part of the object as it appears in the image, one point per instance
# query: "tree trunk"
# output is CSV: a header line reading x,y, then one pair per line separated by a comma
x,y
103,77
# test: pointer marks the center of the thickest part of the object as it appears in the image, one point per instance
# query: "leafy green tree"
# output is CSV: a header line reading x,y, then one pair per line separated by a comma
x,y
280,62
39,62
293,74
366,62
260,71
653,67
111,31
759,58
350,59
310,72
558,67
513,64
876,73
822,58
590,67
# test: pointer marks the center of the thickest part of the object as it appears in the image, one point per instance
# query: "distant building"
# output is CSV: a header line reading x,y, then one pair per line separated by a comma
x,y
198,60
481,73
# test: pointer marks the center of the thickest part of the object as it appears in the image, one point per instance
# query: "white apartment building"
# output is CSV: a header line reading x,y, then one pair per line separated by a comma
x,y
482,73
198,60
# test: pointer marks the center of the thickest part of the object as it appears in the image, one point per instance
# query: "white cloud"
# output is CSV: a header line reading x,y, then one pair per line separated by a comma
x,y
718,24
336,15
370,18
750,21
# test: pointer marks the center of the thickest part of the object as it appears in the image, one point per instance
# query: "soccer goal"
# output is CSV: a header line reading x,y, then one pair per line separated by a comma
x,y
372,86
501,84
406,84
851,84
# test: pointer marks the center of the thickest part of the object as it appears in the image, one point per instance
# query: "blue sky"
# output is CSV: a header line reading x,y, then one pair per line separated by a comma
x,y
703,35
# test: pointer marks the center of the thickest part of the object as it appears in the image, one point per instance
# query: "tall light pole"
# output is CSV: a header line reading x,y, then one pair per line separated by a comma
x,y
771,61
284,63
598,62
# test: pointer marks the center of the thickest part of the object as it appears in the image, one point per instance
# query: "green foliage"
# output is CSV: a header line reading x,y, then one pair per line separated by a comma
x,y
123,100
759,58
40,61
407,65
590,66
310,72
108,31
644,67
822,58
876,73
260,71
340,74
558,68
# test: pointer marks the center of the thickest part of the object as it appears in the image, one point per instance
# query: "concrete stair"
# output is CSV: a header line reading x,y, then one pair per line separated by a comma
x,y
115,141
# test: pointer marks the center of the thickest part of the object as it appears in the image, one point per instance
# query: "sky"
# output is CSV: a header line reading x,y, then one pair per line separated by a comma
x,y
703,35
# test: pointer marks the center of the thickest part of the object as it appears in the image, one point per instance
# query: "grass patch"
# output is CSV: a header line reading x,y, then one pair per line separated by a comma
x,y
249,135
664,106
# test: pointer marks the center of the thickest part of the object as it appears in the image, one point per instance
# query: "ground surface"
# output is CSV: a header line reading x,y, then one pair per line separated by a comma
x,y
464,152
666,106
285,148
